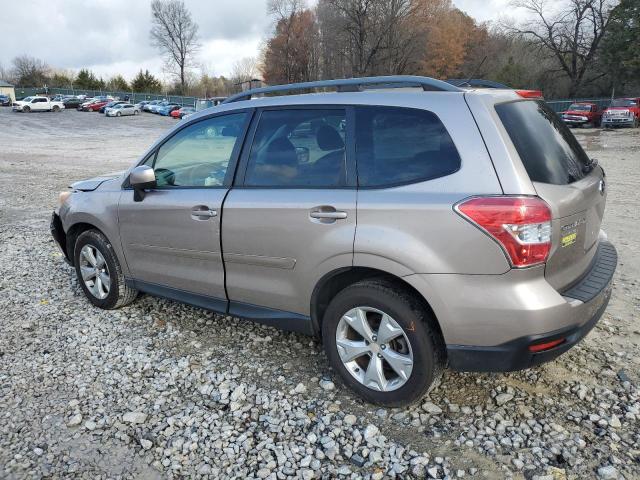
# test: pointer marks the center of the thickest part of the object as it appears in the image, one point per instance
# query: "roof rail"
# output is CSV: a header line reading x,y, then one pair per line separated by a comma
x,y
476,82
353,85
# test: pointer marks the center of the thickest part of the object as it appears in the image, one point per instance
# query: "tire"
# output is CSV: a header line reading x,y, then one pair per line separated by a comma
x,y
26,109
119,294
117,114
136,112
418,328
56,108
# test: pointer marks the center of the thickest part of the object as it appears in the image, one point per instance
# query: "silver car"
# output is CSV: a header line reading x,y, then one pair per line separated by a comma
x,y
409,228
121,110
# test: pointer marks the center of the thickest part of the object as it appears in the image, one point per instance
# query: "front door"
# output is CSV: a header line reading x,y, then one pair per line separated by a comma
x,y
171,238
292,213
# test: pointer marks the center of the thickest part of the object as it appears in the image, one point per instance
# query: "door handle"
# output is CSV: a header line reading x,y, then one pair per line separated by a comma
x,y
330,215
204,212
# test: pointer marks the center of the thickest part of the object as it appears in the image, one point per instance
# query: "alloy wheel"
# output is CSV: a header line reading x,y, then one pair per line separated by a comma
x,y
374,349
95,272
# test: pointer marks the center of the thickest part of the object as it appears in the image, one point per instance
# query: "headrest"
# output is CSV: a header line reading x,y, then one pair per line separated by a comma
x,y
328,138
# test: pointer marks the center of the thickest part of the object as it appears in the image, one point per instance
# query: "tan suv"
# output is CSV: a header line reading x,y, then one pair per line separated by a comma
x,y
407,222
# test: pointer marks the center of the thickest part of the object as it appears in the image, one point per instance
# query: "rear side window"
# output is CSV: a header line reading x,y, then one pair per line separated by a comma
x,y
297,149
402,145
549,151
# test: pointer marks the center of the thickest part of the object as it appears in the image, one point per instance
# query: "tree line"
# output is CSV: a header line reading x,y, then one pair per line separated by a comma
x,y
566,48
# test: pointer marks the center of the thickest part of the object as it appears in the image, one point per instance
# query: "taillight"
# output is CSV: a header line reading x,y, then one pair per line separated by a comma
x,y
521,225
530,94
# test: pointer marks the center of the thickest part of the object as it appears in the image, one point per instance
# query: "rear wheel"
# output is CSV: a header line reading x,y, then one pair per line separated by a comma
x,y
56,108
99,272
383,342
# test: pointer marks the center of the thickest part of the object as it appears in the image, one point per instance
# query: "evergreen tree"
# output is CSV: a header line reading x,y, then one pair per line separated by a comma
x,y
146,83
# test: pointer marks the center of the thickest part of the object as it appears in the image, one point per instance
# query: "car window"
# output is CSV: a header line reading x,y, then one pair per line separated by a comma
x,y
198,155
402,145
298,148
549,151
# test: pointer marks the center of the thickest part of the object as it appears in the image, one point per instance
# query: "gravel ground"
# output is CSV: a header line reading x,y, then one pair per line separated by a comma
x,y
163,390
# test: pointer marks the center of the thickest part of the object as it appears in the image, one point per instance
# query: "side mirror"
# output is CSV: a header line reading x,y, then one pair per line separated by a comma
x,y
141,178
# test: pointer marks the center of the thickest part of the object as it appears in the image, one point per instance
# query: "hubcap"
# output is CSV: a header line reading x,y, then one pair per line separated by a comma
x,y
95,272
374,349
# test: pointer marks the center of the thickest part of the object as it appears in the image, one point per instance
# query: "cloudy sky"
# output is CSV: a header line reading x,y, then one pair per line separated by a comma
x,y
112,36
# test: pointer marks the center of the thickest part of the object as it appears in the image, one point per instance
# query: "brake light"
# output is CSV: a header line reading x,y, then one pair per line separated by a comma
x,y
520,225
530,94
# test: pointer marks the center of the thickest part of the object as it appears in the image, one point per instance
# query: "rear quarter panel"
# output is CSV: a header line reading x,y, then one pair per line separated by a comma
x,y
413,228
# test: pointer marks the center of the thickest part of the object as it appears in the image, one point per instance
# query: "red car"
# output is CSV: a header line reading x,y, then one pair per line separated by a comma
x,y
582,113
181,112
95,107
623,112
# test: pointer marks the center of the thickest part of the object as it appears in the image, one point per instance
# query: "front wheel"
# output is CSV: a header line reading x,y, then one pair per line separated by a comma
x,y
383,342
99,272
26,109
117,114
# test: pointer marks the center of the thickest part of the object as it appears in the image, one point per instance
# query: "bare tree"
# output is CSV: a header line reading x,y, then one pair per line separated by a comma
x,y
176,34
570,34
369,34
244,70
30,71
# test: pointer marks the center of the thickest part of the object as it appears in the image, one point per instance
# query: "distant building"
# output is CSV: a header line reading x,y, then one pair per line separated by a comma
x,y
7,89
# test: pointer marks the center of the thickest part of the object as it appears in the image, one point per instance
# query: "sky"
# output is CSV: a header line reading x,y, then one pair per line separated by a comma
x,y
112,36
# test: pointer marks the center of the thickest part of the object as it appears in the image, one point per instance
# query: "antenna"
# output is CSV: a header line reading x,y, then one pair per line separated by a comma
x,y
475,72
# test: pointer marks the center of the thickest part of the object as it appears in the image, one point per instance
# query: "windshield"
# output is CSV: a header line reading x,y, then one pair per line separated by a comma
x,y
579,107
623,102
27,99
549,151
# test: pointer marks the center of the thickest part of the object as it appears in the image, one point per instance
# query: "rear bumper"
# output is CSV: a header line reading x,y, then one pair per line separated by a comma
x,y
588,298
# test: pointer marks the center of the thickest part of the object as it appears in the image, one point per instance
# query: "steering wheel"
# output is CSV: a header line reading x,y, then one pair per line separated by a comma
x,y
199,174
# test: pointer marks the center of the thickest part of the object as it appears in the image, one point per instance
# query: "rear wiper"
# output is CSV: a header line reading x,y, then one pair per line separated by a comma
x,y
593,163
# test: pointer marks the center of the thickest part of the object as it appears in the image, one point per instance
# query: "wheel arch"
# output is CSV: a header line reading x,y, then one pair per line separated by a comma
x,y
73,232
337,280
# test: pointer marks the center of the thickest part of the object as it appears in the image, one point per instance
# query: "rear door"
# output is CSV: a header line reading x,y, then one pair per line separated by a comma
x,y
563,176
292,213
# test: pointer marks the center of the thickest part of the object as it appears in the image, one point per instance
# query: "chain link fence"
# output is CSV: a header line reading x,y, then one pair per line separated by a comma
x,y
134,97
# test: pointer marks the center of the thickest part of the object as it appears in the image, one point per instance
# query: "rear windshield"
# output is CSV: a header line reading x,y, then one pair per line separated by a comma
x,y
549,151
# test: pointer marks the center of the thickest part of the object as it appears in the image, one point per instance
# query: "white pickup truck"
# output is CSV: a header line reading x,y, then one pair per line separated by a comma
x,y
37,104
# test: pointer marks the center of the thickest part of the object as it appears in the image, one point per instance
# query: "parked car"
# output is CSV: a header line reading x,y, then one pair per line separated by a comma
x,y
5,100
72,102
478,241
84,106
154,107
623,112
90,104
166,110
122,109
582,113
152,103
96,105
141,105
37,104
110,105
182,112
